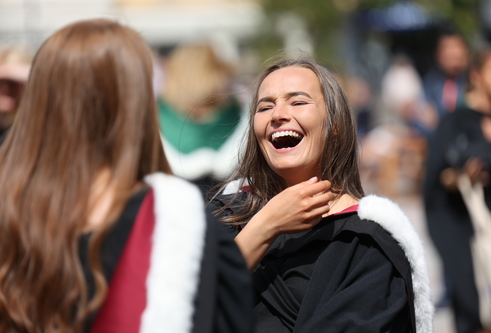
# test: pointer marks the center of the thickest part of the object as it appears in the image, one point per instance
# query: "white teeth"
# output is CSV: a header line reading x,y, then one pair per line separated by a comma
x,y
285,133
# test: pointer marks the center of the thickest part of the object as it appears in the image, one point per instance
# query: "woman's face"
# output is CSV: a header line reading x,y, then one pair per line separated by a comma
x,y
288,123
484,78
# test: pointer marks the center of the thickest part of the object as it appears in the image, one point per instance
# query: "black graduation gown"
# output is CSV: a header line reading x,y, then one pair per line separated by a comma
x,y
344,275
224,298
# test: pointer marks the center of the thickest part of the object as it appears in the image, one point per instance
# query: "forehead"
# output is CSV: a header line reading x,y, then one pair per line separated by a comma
x,y
451,43
290,79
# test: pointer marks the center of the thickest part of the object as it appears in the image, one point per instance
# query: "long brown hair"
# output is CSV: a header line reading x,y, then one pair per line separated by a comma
x,y
339,160
88,105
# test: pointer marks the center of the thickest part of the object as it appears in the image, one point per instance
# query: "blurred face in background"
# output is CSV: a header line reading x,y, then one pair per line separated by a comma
x,y
452,55
481,79
10,92
14,71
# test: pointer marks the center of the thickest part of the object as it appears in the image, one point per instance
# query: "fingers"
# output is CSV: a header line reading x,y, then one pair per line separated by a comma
x,y
319,205
321,199
312,187
321,211
315,195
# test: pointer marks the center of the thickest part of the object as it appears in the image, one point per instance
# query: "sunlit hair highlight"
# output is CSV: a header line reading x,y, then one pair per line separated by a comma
x,y
339,159
88,106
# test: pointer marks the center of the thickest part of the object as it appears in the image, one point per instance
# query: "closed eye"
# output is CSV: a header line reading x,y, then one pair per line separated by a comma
x,y
299,103
264,108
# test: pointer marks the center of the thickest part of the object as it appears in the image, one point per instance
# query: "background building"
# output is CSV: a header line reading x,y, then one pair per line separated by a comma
x,y
163,23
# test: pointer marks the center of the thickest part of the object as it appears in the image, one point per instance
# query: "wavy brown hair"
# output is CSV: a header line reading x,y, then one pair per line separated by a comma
x,y
339,160
88,106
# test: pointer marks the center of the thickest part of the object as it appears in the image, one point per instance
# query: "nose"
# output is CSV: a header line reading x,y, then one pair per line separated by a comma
x,y
281,114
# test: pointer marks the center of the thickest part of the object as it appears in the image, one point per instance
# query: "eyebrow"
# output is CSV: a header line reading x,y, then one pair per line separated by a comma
x,y
288,95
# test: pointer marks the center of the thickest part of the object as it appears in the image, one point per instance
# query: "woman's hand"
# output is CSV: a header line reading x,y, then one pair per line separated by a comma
x,y
297,208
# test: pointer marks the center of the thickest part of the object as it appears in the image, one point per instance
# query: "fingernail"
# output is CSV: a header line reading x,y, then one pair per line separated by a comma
x,y
313,179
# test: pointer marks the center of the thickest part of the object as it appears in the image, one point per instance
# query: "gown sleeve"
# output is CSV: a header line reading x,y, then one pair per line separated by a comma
x,y
354,288
234,288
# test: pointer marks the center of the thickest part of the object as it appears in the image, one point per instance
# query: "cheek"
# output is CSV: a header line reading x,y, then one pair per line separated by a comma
x,y
486,76
319,128
487,81
258,127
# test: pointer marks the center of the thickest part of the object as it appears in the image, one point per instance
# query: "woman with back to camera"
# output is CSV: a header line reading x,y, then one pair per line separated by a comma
x,y
324,257
92,224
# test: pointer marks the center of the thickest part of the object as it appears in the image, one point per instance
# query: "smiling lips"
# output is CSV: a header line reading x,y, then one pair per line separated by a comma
x,y
285,139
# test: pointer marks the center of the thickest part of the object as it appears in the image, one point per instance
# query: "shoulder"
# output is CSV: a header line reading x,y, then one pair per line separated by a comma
x,y
462,115
232,196
462,120
179,212
169,183
206,263
391,218
433,80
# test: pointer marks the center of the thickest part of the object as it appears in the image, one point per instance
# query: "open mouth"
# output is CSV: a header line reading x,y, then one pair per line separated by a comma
x,y
286,139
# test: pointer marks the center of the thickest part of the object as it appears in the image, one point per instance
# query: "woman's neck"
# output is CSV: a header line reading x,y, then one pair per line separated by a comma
x,y
341,203
104,194
101,199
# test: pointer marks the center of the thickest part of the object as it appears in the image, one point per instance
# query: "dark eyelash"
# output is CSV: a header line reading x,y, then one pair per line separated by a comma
x,y
263,109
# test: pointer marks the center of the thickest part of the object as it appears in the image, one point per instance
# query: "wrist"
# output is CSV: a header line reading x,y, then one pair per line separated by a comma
x,y
262,227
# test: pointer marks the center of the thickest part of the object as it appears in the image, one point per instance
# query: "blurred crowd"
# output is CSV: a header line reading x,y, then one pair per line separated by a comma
x,y
428,134
397,120
420,134
201,109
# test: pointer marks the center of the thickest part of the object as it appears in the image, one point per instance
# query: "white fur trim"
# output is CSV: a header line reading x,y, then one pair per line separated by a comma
x,y
235,186
207,161
388,215
175,261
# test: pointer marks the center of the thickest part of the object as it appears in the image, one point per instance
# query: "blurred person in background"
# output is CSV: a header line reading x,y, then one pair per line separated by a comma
x,y
14,70
95,234
324,257
403,96
444,85
199,117
461,144
360,98
394,151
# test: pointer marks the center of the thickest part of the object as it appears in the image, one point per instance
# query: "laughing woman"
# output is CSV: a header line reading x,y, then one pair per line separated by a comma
x,y
324,257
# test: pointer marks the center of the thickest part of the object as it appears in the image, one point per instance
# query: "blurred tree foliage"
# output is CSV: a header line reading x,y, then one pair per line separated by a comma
x,y
463,14
323,18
